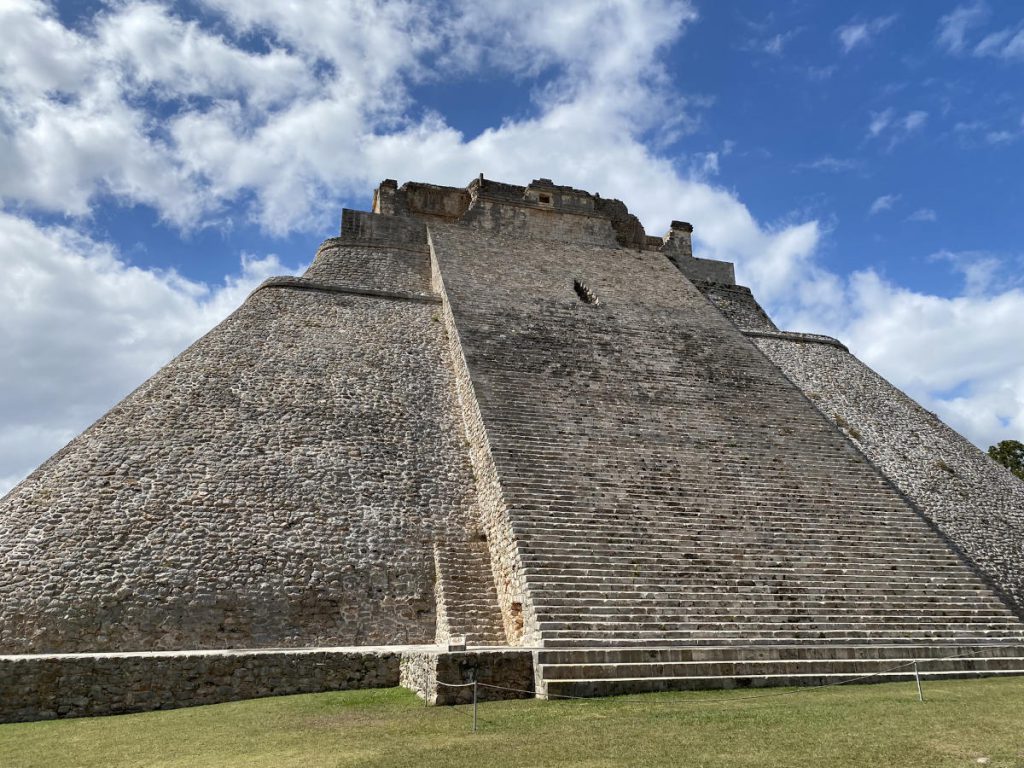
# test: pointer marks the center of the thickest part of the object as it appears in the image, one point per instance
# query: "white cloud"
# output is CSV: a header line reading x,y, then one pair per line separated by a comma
x,y
82,327
773,45
1015,48
883,203
923,214
954,26
974,131
294,128
1001,137
820,74
175,58
79,108
832,164
993,43
321,112
914,121
898,129
854,34
1005,44
930,346
979,269
879,122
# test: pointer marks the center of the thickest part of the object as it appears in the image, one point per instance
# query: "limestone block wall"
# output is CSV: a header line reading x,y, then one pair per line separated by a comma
x,y
719,272
47,687
737,303
280,483
973,500
425,672
525,219
379,252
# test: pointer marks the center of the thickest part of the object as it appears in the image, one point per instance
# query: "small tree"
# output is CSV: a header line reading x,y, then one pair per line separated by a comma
x,y
1009,453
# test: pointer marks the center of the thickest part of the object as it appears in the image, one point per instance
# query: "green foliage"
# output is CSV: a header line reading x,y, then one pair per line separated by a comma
x,y
1009,453
961,723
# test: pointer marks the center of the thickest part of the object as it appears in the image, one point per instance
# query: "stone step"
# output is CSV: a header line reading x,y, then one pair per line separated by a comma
x,y
749,612
762,603
466,585
617,687
669,654
551,575
744,536
577,593
858,600
681,492
747,668
734,517
584,552
737,514
750,625
659,638
615,563
734,565
678,545
740,556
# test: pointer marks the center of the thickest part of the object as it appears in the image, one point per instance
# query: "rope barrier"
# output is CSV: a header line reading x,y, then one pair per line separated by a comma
x,y
734,699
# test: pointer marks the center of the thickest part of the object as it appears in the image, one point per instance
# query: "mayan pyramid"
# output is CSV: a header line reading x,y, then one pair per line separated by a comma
x,y
508,414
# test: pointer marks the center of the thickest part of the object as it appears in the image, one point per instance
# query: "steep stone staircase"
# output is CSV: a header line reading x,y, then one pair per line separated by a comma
x,y
603,580
467,599
668,489
627,603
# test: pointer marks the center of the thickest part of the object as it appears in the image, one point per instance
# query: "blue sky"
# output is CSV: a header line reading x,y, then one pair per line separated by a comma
x,y
860,162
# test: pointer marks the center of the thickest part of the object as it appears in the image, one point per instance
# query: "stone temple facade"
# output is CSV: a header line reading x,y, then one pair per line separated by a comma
x,y
508,414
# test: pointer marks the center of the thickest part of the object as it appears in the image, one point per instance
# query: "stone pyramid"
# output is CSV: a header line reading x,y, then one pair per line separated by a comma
x,y
508,414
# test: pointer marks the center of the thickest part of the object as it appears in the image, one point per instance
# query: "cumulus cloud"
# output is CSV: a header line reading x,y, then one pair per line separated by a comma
x,y
959,356
857,33
322,110
979,269
82,327
146,108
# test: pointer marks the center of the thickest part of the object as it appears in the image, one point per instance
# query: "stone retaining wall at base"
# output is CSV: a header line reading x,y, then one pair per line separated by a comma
x,y
510,668
42,687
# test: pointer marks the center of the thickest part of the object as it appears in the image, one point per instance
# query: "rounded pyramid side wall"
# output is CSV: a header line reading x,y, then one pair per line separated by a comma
x,y
280,483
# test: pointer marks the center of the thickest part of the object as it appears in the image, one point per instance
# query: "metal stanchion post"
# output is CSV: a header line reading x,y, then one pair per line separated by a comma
x,y
917,677
474,702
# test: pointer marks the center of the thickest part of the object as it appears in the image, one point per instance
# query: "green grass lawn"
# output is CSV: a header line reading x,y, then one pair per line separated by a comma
x,y
960,724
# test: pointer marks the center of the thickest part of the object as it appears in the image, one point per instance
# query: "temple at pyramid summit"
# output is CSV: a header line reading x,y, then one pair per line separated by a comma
x,y
501,431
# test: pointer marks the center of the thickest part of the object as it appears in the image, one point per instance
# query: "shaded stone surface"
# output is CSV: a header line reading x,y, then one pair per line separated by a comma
x,y
85,685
